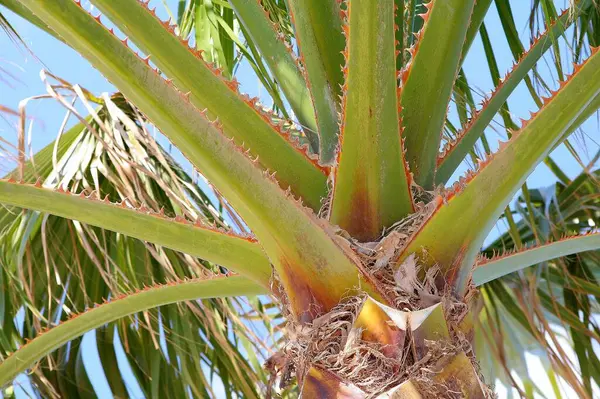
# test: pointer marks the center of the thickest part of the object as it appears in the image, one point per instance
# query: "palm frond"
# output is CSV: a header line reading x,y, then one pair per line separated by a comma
x,y
56,267
552,305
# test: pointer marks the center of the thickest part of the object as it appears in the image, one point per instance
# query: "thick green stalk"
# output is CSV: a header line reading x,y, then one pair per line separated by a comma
x,y
427,83
123,306
372,183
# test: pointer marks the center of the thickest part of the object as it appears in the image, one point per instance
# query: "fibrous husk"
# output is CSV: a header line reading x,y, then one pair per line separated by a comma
x,y
333,343
333,346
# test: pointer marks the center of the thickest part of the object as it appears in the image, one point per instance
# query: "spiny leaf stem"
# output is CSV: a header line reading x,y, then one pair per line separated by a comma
x,y
122,306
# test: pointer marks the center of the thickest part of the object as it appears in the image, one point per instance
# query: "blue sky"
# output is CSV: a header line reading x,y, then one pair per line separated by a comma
x,y
21,80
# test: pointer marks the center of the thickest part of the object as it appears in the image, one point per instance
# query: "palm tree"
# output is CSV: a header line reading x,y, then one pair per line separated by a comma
x,y
375,265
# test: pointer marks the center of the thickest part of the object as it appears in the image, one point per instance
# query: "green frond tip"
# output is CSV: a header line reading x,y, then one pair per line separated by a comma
x,y
126,305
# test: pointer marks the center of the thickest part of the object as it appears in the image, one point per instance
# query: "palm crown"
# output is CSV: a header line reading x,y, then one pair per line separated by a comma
x,y
376,265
